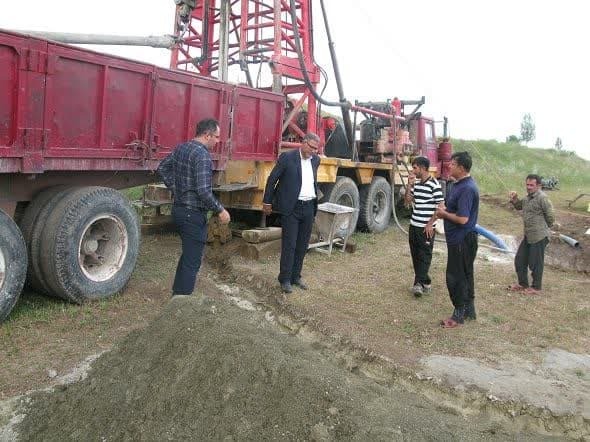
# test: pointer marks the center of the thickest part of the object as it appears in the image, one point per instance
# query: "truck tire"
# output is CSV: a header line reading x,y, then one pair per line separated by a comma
x,y
345,193
31,226
92,243
375,210
13,264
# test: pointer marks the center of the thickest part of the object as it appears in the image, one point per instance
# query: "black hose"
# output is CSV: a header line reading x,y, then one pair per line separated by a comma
x,y
345,111
306,79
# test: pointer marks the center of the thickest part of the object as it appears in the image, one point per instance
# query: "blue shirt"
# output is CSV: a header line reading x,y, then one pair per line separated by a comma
x,y
187,171
463,200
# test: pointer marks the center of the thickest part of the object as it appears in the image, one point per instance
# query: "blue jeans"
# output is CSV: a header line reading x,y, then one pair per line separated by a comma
x,y
192,227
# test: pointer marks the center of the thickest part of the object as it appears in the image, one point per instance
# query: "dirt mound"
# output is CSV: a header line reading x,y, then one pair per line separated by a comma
x,y
205,370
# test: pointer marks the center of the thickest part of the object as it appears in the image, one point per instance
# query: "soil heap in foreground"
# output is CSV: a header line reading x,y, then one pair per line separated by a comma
x,y
207,370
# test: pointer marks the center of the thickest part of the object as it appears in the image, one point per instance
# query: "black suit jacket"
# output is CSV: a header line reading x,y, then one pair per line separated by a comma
x,y
284,182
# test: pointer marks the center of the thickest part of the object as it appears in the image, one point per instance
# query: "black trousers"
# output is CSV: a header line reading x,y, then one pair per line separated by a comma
x,y
295,239
421,251
530,256
460,282
192,227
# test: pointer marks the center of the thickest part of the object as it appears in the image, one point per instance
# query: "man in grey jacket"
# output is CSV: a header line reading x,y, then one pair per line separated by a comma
x,y
538,216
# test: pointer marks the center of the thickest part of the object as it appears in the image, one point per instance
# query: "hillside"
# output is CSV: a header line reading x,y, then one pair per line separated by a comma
x,y
500,167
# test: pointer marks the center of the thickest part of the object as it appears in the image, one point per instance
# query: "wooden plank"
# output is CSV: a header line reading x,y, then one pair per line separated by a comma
x,y
260,235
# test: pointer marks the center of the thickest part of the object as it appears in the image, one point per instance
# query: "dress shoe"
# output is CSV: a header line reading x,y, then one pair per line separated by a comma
x,y
286,287
300,284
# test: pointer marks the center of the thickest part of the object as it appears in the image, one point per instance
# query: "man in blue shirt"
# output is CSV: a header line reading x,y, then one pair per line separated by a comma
x,y
187,171
460,217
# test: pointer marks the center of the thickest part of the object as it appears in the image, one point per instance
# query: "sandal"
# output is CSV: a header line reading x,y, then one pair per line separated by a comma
x,y
516,288
449,323
531,291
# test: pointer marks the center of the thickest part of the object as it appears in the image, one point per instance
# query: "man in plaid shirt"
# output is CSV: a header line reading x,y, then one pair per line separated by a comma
x,y
187,171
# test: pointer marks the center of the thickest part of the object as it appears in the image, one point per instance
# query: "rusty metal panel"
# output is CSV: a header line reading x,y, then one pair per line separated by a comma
x,y
258,119
96,105
180,101
9,60
23,64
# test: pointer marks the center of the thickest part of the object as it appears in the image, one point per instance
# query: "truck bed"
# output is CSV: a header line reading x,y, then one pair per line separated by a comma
x,y
65,108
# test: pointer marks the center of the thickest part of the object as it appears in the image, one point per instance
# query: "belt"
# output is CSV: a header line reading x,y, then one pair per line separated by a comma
x,y
304,202
194,209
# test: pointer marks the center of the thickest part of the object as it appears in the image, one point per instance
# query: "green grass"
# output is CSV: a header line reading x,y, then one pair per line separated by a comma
x,y
500,167
32,309
134,193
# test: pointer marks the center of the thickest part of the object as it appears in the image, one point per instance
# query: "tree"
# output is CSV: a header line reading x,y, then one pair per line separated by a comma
x,y
527,128
512,139
558,144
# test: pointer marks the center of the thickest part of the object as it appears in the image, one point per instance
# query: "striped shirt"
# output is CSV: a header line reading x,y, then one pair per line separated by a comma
x,y
426,196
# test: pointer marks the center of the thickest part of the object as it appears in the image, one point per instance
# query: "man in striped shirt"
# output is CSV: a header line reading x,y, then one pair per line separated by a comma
x,y
423,193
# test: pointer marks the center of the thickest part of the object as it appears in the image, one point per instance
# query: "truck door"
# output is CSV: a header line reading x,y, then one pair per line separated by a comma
x,y
423,138
430,146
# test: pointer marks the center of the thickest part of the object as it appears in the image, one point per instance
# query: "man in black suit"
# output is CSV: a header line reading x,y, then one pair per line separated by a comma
x,y
293,182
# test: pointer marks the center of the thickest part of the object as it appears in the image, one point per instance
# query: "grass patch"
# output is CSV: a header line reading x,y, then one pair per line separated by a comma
x,y
133,193
32,309
501,167
497,319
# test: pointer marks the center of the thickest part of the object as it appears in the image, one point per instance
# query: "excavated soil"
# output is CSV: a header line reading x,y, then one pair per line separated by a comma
x,y
208,370
558,254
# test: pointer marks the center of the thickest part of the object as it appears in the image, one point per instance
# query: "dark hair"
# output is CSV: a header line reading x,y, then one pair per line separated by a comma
x,y
463,159
310,136
206,126
534,176
421,162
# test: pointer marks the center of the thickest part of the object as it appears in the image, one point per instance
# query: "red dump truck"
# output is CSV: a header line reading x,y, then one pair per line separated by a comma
x,y
74,126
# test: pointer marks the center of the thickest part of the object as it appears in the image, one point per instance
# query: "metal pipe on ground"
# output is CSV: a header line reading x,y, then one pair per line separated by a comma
x,y
569,240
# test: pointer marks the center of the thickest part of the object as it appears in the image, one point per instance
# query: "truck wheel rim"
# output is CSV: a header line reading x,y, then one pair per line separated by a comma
x,y
379,206
103,247
2,268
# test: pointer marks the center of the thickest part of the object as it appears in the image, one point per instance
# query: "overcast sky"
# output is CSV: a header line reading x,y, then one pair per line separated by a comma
x,y
482,64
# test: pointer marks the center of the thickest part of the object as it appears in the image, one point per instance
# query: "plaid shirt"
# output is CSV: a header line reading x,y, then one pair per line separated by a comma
x,y
187,171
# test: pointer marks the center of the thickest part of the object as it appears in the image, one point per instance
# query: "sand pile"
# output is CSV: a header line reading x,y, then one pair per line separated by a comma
x,y
207,370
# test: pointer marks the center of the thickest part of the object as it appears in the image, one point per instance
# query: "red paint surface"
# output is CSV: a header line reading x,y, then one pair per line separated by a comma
x,y
67,108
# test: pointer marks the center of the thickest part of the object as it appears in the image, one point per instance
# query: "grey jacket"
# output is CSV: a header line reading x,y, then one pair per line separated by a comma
x,y
537,214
